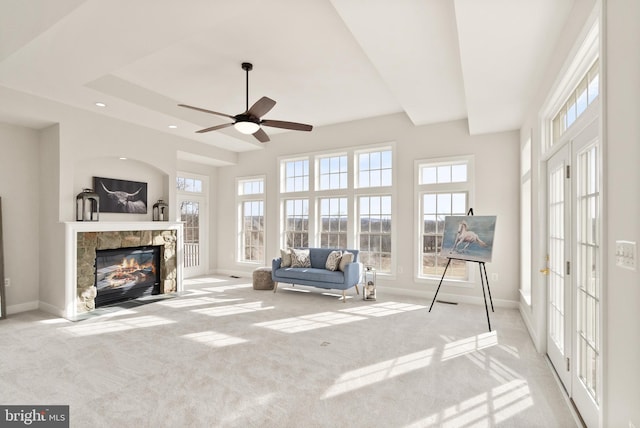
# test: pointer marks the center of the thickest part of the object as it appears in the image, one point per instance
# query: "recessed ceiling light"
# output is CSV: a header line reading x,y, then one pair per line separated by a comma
x,y
123,158
100,104
173,126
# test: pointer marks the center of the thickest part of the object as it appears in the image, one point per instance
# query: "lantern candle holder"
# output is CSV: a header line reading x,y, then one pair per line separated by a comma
x,y
87,205
160,211
369,287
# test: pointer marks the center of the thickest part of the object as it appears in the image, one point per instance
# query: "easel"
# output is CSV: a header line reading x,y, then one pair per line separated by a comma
x,y
483,278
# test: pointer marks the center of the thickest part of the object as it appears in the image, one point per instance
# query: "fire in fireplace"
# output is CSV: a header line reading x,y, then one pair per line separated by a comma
x,y
126,273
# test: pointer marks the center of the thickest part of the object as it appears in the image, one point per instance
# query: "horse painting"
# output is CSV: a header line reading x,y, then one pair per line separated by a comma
x,y
468,237
465,237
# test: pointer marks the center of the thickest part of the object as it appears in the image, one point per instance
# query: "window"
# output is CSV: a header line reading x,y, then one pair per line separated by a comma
x,y
253,231
443,190
333,222
333,172
191,209
252,221
251,187
585,93
375,231
340,200
296,173
525,221
296,223
374,169
188,184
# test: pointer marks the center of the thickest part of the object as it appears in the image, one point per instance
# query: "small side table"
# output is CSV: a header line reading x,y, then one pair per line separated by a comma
x,y
369,286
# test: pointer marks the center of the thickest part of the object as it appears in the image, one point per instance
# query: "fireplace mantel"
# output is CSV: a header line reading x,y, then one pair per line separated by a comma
x,y
72,229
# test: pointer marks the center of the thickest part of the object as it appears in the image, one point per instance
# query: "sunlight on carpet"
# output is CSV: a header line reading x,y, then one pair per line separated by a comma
x,y
214,339
469,345
383,309
485,409
197,301
380,372
101,327
222,311
309,322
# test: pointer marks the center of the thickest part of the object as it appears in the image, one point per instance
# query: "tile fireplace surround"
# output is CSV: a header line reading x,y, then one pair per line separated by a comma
x,y
82,239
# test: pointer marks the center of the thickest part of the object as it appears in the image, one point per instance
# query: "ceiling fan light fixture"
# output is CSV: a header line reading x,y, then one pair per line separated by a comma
x,y
246,127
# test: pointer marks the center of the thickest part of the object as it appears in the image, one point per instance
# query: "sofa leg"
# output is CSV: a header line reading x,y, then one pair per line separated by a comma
x,y
357,292
344,296
275,287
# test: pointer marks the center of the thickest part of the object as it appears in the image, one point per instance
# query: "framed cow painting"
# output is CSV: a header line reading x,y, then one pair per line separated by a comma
x,y
469,237
121,196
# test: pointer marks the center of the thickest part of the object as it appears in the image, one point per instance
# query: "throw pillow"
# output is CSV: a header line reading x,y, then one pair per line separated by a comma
x,y
347,257
333,260
285,254
300,258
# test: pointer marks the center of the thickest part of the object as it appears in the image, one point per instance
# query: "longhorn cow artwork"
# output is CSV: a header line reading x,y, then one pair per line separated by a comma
x,y
468,237
121,196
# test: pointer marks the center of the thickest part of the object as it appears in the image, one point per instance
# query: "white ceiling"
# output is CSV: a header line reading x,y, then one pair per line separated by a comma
x,y
323,61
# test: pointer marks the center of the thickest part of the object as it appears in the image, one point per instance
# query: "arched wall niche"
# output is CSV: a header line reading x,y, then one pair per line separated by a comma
x,y
124,169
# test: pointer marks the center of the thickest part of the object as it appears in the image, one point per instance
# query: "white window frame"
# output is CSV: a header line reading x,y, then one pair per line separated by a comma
x,y
331,173
241,198
202,197
526,205
330,232
284,177
284,230
420,190
586,54
351,192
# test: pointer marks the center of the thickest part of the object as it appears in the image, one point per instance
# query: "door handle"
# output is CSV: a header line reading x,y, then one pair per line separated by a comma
x,y
544,271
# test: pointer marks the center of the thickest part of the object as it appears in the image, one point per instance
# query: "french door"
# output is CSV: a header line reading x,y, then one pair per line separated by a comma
x,y
558,263
574,275
192,210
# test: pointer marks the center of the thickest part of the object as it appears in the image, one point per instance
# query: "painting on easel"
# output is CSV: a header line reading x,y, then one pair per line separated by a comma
x,y
468,237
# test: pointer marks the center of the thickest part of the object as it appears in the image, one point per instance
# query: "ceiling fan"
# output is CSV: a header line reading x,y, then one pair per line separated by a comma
x,y
251,122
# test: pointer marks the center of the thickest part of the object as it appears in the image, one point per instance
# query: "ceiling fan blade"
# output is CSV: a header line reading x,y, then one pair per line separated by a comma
x,y
261,107
213,128
207,111
287,125
261,135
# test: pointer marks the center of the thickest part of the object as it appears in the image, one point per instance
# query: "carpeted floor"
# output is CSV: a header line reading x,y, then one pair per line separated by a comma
x,y
225,355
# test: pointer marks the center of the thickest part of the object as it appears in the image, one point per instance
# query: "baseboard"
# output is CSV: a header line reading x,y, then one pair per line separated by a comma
x,y
233,273
457,298
526,318
50,309
22,307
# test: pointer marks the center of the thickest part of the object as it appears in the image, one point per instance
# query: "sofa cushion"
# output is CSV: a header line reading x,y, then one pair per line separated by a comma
x,y
285,254
312,274
347,257
333,260
300,258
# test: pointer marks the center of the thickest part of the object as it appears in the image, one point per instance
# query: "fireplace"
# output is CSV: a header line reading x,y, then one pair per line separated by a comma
x,y
126,273
86,239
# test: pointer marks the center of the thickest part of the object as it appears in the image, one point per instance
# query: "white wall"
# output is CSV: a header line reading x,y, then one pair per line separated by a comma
x,y
622,139
52,260
19,175
496,186
51,166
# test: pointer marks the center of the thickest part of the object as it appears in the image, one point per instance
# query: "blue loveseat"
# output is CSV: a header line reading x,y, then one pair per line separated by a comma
x,y
318,275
